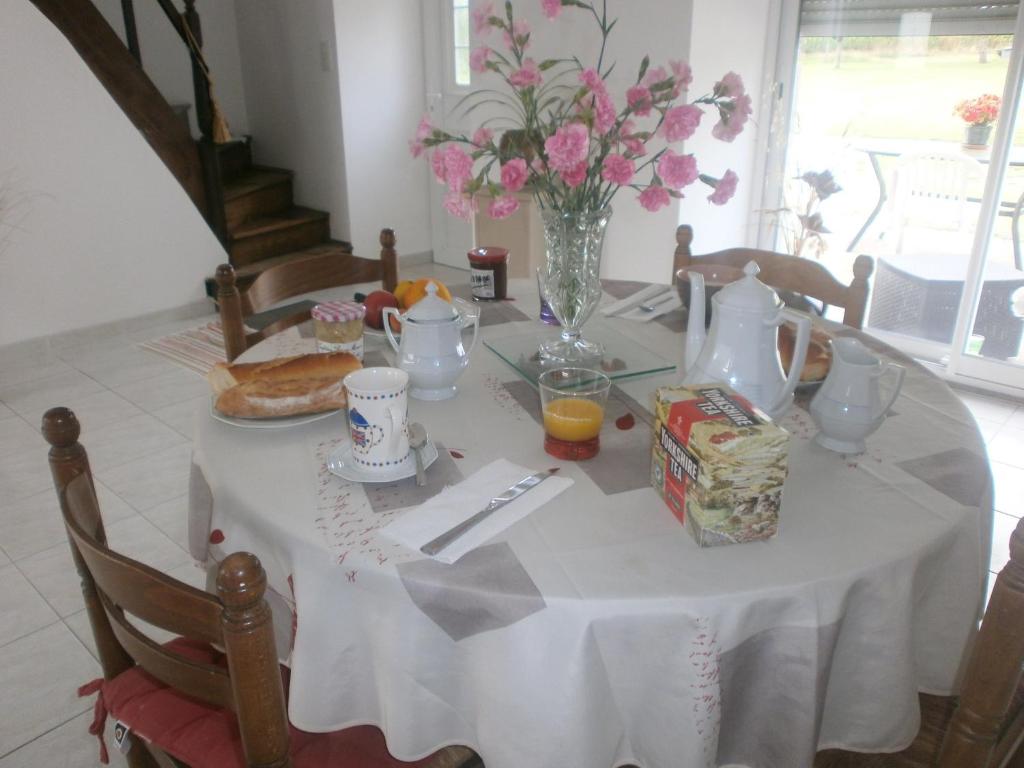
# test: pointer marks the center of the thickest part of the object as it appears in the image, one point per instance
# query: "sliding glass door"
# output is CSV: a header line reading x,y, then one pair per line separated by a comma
x,y
896,136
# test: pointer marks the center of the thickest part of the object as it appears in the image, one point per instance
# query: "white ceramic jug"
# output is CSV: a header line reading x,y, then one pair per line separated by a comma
x,y
849,406
741,346
431,350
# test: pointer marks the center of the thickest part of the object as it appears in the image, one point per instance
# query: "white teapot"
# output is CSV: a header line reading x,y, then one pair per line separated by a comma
x,y
431,350
849,405
741,346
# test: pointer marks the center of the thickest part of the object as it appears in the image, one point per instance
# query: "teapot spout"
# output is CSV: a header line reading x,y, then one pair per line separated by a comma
x,y
695,333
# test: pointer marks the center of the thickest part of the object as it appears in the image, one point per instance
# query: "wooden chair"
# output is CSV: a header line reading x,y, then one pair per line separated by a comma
x,y
293,278
184,678
789,273
983,728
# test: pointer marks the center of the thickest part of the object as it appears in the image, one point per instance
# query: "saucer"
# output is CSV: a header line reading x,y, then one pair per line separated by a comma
x,y
341,463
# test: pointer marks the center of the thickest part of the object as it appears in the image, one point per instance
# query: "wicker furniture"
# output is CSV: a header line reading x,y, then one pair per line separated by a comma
x,y
920,297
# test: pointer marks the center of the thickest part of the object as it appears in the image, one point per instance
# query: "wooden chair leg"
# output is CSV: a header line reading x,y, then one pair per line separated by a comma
x,y
230,303
389,259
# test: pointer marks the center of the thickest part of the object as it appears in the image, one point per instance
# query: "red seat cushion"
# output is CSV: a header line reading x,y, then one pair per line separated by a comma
x,y
200,734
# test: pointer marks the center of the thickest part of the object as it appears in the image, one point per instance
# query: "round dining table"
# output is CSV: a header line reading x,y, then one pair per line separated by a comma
x,y
595,633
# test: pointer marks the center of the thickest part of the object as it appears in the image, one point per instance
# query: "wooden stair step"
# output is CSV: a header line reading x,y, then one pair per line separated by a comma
x,y
255,193
234,157
245,275
288,231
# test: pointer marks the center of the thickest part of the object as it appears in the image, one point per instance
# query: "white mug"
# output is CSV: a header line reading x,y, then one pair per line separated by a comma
x,y
378,402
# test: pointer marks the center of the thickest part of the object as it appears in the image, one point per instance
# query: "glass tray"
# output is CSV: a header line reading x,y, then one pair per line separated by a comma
x,y
623,358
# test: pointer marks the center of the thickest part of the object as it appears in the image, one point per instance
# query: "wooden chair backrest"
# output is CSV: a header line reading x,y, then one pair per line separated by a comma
x,y
115,587
986,725
785,272
294,278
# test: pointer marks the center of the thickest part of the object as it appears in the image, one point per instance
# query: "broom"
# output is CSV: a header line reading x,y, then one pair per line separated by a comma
x,y
221,132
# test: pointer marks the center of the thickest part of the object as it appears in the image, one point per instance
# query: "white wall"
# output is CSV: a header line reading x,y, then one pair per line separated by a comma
x,y
728,35
103,230
293,98
381,81
165,58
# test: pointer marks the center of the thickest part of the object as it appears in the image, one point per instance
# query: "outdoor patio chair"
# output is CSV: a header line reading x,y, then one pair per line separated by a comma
x,y
789,273
931,192
294,278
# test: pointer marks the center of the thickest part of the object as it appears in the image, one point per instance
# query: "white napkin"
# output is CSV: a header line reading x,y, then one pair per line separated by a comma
x,y
662,304
631,301
459,502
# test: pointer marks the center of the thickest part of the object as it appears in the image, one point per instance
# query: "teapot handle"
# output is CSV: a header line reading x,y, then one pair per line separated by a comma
x,y
476,332
803,338
387,325
900,372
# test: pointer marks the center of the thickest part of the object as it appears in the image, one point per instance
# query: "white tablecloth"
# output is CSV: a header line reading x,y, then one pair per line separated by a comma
x,y
595,632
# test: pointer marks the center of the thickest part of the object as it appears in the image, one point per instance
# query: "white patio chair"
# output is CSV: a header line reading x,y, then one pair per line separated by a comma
x,y
932,192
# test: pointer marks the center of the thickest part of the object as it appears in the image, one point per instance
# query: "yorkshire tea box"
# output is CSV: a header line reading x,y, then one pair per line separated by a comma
x,y
719,463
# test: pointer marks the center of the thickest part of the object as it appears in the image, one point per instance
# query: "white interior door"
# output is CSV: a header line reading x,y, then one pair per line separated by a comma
x,y
452,237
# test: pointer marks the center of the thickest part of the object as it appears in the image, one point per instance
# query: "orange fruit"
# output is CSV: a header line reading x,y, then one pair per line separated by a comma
x,y
400,290
418,290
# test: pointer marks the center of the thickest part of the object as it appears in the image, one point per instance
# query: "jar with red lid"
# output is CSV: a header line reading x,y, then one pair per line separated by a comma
x,y
488,273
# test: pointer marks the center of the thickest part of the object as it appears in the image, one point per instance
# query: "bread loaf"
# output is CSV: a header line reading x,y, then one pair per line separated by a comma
x,y
262,399
819,353
322,365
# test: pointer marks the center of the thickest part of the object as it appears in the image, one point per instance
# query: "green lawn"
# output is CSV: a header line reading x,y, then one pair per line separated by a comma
x,y
876,94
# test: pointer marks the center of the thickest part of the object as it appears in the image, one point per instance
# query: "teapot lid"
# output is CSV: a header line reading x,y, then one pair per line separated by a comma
x,y
748,293
431,308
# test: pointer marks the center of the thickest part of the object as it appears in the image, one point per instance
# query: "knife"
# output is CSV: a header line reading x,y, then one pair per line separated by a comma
x,y
499,501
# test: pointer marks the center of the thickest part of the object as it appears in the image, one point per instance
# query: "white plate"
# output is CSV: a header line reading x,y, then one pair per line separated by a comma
x,y
340,463
273,423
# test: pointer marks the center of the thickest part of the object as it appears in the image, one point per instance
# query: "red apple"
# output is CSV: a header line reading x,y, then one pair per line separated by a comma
x,y
375,304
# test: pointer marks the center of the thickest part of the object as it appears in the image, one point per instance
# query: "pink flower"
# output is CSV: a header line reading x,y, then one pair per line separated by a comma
x,y
527,76
416,148
634,144
567,147
437,164
538,166
677,170
683,76
733,116
502,207
724,189
654,76
618,169
482,19
552,8
680,122
639,99
513,174
483,136
654,197
459,205
575,176
423,131
478,58
520,31
605,113
590,78
731,84
456,167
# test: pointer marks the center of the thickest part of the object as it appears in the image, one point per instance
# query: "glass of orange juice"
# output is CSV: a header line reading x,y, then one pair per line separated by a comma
x,y
573,402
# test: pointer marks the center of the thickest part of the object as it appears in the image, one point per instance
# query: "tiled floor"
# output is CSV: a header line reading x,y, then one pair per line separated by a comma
x,y
137,410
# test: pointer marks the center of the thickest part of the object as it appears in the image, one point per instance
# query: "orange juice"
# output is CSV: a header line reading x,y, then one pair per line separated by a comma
x,y
573,419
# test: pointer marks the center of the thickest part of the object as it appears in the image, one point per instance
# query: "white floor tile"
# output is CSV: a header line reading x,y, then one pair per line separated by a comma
x,y
39,677
124,441
138,538
1009,484
17,436
990,408
6,413
123,365
24,473
100,409
166,389
171,518
31,399
1008,447
78,623
67,746
52,573
1016,420
1002,527
153,479
22,609
988,429
35,523
181,417
13,374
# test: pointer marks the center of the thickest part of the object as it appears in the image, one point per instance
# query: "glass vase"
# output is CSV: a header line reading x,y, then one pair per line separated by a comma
x,y
570,280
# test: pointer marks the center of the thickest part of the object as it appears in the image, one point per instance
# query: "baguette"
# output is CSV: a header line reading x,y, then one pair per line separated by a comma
x,y
261,399
321,365
819,354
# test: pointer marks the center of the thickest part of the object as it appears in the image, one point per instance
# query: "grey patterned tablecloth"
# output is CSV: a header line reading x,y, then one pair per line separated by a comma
x,y
595,633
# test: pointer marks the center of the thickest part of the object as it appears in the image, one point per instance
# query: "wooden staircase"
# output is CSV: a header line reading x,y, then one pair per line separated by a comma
x,y
264,226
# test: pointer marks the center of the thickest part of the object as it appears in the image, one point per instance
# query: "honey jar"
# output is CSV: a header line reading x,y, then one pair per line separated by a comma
x,y
338,326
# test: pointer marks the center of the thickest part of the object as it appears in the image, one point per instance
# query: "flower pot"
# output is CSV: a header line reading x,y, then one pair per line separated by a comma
x,y
977,135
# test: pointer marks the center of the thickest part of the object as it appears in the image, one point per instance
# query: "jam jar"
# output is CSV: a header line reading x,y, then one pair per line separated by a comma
x,y
488,273
338,326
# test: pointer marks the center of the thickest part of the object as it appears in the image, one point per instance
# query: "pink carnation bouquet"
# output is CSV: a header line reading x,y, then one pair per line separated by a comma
x,y
980,111
573,144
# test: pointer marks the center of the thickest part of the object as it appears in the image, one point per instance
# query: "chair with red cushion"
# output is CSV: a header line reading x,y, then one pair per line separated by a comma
x,y
186,701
